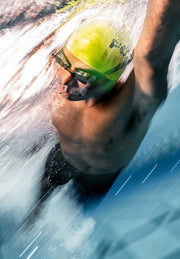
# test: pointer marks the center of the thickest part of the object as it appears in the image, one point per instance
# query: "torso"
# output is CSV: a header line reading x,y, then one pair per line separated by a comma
x,y
98,139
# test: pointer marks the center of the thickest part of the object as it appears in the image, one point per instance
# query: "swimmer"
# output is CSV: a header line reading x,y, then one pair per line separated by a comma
x,y
96,109
102,120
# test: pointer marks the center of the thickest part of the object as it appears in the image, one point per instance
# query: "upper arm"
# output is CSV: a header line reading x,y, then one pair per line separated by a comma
x,y
155,47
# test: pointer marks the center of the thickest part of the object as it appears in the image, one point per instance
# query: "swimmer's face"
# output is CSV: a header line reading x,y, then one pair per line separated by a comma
x,y
78,80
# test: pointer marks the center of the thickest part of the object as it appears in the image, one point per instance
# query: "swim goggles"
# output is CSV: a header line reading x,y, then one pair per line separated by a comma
x,y
86,76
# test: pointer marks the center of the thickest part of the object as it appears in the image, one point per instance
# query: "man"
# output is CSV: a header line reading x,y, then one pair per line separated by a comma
x,y
101,122
94,115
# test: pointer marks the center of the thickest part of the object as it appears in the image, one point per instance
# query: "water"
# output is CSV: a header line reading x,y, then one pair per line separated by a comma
x,y
141,208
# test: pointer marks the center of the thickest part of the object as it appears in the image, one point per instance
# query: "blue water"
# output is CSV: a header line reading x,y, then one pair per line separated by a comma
x,y
138,218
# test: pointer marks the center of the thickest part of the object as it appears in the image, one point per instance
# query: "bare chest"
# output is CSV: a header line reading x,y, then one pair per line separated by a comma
x,y
92,136
98,125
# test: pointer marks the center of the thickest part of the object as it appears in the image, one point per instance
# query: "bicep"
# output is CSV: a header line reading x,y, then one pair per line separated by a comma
x,y
161,31
156,45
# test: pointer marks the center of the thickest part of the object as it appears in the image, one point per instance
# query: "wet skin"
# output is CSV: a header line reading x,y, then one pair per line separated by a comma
x,y
99,133
102,138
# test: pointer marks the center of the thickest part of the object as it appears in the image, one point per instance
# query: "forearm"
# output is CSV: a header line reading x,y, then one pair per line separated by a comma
x,y
156,45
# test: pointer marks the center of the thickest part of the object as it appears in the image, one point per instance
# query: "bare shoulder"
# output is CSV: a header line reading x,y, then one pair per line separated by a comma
x,y
144,106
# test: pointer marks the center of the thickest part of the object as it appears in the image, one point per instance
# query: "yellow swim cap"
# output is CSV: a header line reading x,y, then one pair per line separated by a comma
x,y
98,44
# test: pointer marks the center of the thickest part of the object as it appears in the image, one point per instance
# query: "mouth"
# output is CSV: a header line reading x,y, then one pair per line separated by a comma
x,y
70,97
73,95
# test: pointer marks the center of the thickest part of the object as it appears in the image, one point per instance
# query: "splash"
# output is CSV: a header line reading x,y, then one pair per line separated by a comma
x,y
27,69
30,33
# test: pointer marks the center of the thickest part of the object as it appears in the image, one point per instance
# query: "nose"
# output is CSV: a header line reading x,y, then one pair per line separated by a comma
x,y
68,81
66,77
